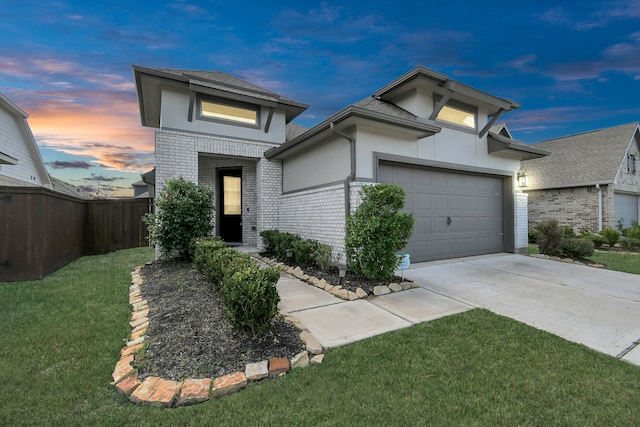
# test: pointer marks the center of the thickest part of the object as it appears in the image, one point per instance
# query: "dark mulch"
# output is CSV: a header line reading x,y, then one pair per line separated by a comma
x,y
190,336
351,281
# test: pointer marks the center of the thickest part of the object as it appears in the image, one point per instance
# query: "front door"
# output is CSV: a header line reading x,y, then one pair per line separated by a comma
x,y
230,213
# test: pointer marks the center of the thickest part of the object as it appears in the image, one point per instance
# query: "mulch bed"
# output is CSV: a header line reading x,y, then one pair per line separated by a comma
x,y
351,281
190,336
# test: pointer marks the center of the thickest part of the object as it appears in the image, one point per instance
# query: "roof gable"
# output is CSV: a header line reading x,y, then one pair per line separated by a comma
x,y
587,158
150,80
27,138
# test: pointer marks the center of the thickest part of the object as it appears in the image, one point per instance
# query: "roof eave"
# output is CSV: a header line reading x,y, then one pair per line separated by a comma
x,y
500,145
352,111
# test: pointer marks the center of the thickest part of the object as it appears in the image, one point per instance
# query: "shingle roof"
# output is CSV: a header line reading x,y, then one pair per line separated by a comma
x,y
293,130
584,159
384,107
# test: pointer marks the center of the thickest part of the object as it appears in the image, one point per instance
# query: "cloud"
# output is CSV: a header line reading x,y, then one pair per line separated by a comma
x,y
607,14
76,164
439,48
101,178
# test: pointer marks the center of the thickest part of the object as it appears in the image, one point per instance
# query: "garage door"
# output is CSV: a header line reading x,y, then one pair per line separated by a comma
x,y
626,207
455,214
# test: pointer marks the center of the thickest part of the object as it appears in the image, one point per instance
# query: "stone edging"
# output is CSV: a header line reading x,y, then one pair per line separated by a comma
x,y
566,260
335,290
163,393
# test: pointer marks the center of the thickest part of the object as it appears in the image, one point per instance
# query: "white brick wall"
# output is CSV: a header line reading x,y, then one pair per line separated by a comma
x,y
197,157
316,214
521,221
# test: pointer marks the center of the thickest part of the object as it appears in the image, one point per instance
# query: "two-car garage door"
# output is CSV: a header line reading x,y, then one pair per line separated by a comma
x,y
456,214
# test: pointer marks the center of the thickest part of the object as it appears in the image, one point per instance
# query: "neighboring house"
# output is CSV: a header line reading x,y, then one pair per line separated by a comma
x,y
590,180
21,164
423,131
140,190
20,160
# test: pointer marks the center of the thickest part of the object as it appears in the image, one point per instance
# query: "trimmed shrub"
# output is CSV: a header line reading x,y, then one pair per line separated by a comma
x,y
551,235
533,234
634,231
184,213
597,240
585,232
305,252
569,232
222,263
612,236
203,255
576,248
376,231
630,243
251,299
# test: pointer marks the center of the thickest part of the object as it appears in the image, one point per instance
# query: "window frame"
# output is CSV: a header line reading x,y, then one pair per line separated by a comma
x,y
460,106
227,103
631,163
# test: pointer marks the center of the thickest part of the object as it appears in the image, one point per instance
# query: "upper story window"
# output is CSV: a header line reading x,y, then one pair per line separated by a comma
x,y
458,113
457,117
631,163
229,111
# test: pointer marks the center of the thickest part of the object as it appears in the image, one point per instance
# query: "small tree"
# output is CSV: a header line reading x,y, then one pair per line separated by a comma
x,y
184,212
376,231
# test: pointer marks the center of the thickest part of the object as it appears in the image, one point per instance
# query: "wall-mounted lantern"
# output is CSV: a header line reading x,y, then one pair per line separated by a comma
x,y
523,178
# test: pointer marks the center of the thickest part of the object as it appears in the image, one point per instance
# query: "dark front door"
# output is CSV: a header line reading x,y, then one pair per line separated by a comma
x,y
230,205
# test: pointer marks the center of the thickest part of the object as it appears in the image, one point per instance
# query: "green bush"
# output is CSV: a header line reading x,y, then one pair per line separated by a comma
x,y
184,213
569,232
203,254
305,252
533,233
251,299
597,240
550,239
612,236
576,248
585,232
376,231
222,264
634,231
630,243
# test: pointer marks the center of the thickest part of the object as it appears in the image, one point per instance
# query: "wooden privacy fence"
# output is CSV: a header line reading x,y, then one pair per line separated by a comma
x,y
42,231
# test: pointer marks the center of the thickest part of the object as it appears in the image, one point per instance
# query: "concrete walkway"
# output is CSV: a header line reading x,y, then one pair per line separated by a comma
x,y
335,322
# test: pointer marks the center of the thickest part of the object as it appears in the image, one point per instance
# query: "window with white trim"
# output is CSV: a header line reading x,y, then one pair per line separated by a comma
x,y
214,109
458,113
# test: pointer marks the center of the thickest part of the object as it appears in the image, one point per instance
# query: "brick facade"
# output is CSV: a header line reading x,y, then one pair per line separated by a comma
x,y
317,214
576,207
197,158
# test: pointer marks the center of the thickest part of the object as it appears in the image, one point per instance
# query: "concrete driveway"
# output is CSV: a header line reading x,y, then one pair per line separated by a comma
x,y
595,307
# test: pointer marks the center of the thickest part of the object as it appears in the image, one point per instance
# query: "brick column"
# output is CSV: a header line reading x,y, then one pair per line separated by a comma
x,y
521,232
269,190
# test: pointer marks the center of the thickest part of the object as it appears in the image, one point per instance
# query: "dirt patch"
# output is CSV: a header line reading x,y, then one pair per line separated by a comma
x,y
189,334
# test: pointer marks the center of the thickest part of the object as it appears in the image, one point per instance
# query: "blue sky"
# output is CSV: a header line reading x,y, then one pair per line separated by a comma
x,y
574,66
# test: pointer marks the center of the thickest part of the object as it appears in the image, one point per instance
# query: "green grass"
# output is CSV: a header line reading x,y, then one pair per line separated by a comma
x,y
625,262
61,337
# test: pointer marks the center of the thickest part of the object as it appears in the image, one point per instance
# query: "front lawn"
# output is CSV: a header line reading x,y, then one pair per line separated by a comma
x,y
61,338
618,261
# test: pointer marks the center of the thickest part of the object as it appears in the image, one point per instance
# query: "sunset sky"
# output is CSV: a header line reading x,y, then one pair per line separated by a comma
x,y
574,66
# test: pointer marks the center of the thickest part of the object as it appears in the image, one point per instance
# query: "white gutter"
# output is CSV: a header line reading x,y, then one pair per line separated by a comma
x,y
599,207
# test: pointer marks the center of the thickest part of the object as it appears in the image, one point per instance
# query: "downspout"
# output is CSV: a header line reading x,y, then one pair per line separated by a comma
x,y
599,207
352,173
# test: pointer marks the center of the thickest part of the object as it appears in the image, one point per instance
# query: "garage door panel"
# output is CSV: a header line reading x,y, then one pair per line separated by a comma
x,y
626,208
473,203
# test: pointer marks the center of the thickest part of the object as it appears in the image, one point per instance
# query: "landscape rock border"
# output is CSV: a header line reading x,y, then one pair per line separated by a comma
x,y
567,260
155,391
335,290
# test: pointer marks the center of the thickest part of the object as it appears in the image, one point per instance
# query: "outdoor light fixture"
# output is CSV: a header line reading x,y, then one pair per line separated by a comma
x,y
342,272
523,179
289,252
